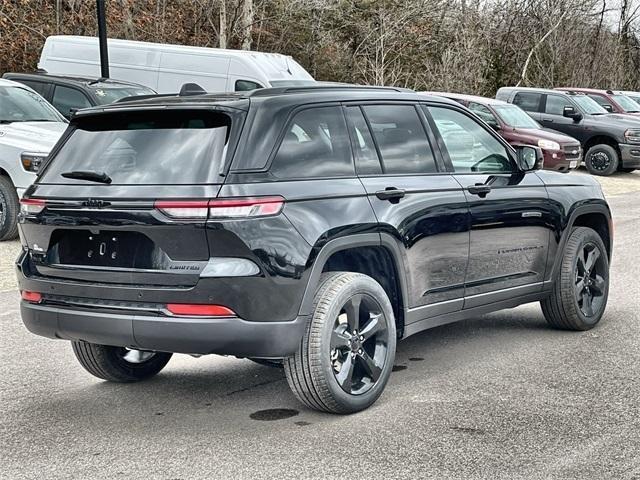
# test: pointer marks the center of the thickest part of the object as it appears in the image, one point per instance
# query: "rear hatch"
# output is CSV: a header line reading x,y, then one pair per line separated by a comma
x,y
124,199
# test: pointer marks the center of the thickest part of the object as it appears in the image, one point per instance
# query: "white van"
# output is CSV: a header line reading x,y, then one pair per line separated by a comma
x,y
165,68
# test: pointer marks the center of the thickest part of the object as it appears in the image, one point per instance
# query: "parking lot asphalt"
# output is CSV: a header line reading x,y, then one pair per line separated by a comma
x,y
500,396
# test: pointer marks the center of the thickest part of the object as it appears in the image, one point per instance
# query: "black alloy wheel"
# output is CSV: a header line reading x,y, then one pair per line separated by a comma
x,y
359,344
590,286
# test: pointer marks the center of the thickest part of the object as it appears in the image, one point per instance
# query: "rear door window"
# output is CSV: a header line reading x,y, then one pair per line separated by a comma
x,y
401,139
145,148
315,144
41,87
528,101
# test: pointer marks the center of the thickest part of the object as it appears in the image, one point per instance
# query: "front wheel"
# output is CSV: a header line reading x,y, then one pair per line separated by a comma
x,y
119,364
602,160
346,355
581,289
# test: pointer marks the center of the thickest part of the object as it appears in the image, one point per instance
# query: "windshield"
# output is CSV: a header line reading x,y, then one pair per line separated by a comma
x,y
626,103
145,148
110,94
589,105
514,116
18,104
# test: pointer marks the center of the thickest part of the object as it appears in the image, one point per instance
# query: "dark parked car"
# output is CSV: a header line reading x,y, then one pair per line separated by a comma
x,y
612,102
561,152
311,226
67,94
610,141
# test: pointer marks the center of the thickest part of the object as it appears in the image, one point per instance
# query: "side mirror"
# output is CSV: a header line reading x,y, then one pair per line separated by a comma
x,y
570,112
530,158
608,108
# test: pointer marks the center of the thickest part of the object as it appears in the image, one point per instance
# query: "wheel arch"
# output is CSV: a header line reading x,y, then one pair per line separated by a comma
x,y
601,139
598,218
373,254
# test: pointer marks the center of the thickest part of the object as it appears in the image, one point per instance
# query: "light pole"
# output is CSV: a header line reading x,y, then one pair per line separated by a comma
x,y
102,39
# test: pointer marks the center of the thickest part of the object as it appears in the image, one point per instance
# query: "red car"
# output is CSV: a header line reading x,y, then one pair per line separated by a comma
x,y
612,102
561,152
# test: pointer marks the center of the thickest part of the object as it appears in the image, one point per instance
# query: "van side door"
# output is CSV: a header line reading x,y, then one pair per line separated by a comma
x,y
421,208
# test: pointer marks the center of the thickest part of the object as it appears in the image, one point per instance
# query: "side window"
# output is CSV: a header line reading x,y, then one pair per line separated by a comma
x,y
247,85
316,144
39,87
401,138
555,105
483,112
367,161
470,147
65,99
528,101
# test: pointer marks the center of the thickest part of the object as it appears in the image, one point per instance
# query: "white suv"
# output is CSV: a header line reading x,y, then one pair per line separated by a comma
x,y
29,128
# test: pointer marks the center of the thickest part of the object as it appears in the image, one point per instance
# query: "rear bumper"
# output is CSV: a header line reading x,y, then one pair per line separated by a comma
x,y
195,335
630,155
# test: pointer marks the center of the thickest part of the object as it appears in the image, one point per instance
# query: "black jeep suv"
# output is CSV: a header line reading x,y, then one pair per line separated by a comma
x,y
308,226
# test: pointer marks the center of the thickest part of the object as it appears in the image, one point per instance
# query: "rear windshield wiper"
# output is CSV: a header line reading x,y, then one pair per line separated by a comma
x,y
99,177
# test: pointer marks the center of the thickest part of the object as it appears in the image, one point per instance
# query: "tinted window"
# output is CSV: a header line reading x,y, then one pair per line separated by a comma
x,y
555,105
470,147
246,85
401,138
39,87
528,101
367,161
316,144
483,112
65,98
145,148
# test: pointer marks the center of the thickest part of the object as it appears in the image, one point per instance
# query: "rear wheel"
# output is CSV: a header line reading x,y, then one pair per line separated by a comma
x,y
346,355
581,289
119,364
601,160
9,208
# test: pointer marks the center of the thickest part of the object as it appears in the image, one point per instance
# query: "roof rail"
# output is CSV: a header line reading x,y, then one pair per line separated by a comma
x,y
265,92
134,98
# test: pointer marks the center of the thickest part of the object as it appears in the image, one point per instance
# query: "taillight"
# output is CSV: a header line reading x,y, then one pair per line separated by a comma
x,y
245,207
31,297
200,310
183,208
31,206
248,207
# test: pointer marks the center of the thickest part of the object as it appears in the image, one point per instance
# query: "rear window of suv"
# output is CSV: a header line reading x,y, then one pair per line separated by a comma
x,y
145,148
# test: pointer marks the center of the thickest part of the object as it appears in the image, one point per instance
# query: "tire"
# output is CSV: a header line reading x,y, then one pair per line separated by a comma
x,y
316,372
109,363
602,160
565,308
9,209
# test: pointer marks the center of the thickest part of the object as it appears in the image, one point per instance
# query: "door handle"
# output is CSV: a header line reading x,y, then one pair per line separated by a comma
x,y
550,120
480,189
390,193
